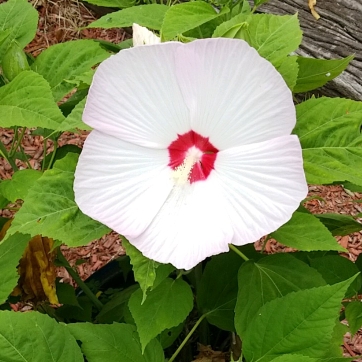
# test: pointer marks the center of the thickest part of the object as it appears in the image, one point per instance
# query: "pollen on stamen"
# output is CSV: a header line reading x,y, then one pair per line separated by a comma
x,y
181,174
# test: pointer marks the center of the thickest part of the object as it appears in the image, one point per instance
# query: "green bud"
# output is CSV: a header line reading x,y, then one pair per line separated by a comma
x,y
14,61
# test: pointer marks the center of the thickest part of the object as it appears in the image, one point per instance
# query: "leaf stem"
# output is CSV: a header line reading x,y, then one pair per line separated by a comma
x,y
79,281
237,251
187,338
7,157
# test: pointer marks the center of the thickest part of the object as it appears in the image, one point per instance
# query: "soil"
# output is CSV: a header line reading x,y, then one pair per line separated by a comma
x,y
64,20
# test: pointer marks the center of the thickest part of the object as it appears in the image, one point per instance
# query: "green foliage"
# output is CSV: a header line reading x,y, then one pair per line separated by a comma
x,y
186,16
308,318
354,315
18,186
14,61
288,68
11,250
27,337
113,3
28,102
314,73
62,63
329,132
74,119
115,342
274,37
313,237
270,278
57,215
216,296
146,271
339,224
150,16
166,306
335,269
19,20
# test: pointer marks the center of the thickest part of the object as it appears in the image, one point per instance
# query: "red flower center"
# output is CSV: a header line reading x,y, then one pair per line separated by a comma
x,y
192,157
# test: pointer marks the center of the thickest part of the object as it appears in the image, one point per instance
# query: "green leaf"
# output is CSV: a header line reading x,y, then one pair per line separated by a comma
x,y
18,186
66,294
62,63
165,307
144,269
113,311
74,119
288,68
295,358
335,269
11,250
113,3
329,132
305,232
272,277
339,224
307,317
186,16
114,342
314,73
32,336
273,36
21,19
28,102
150,16
354,316
218,288
49,208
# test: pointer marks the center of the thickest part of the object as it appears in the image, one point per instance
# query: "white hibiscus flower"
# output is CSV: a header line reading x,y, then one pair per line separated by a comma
x,y
191,149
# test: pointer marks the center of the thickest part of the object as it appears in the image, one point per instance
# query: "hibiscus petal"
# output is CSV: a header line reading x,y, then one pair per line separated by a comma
x,y
121,184
235,96
135,97
143,36
263,183
190,226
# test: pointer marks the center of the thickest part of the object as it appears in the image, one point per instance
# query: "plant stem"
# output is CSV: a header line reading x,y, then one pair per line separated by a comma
x,y
187,338
237,251
79,281
44,153
8,158
53,154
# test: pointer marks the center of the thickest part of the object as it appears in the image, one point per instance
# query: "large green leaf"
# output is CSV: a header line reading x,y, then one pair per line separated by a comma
x,y
32,336
21,19
28,102
216,296
114,342
18,186
339,224
273,36
335,269
272,277
288,68
165,307
186,16
145,270
305,232
300,321
49,208
62,63
329,132
150,16
11,251
314,73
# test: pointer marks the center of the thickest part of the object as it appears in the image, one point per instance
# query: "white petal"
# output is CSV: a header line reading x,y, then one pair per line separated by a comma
x,y
120,184
235,96
191,226
135,97
263,183
143,36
